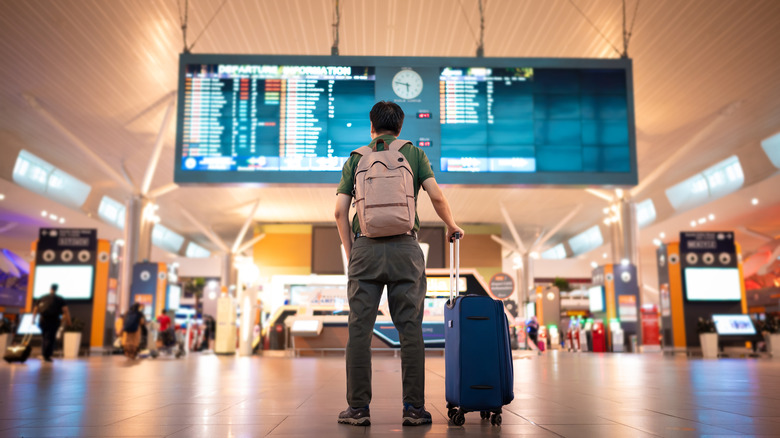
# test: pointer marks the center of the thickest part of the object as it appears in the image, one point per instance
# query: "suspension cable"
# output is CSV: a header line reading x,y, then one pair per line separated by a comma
x,y
334,49
183,22
481,46
208,24
465,15
595,27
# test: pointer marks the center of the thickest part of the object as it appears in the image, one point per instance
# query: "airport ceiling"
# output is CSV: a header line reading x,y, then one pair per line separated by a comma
x,y
102,68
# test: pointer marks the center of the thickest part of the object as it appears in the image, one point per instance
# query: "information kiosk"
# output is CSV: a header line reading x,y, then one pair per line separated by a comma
x,y
78,262
699,276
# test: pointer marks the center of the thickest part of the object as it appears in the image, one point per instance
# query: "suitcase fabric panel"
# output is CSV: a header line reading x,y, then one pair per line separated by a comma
x,y
480,369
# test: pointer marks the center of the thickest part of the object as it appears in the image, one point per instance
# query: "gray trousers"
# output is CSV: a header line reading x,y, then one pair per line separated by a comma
x,y
397,262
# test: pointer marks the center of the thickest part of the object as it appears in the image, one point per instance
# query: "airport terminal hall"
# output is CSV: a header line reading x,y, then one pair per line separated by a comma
x,y
389,218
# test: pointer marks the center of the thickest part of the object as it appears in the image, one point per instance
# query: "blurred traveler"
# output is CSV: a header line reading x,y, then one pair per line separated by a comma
x,y
395,261
167,335
134,320
533,331
50,308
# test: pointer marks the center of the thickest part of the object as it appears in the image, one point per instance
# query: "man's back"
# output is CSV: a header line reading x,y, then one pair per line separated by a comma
x,y
50,308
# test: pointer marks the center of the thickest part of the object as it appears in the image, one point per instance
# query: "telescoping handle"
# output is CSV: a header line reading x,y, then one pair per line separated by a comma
x,y
454,267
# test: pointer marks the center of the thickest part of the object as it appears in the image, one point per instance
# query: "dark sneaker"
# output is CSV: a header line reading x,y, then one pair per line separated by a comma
x,y
416,416
355,416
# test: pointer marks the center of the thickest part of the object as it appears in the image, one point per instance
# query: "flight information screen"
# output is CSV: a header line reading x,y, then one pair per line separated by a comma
x,y
262,119
273,118
533,120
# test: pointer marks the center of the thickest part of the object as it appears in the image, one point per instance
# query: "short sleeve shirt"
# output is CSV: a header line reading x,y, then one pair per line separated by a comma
x,y
418,161
164,321
50,308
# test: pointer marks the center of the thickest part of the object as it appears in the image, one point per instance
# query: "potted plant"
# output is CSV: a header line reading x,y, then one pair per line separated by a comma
x,y
708,338
6,334
771,332
71,340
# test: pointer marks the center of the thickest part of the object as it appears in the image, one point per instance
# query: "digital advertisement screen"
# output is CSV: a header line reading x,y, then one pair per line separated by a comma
x,y
174,296
295,119
596,298
75,281
712,284
27,326
734,325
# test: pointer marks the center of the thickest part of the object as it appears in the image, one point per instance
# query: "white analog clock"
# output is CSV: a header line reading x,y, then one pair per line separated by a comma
x,y
407,84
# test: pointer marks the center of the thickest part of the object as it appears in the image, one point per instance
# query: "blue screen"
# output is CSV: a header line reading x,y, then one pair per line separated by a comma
x,y
534,120
481,121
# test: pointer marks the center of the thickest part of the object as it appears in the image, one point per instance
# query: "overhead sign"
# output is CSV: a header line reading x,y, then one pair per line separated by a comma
x,y
502,286
295,119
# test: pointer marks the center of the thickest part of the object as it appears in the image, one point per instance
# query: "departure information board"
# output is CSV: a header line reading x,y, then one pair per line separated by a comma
x,y
273,118
296,119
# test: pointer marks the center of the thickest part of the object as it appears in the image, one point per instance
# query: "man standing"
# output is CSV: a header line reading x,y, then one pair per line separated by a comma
x,y
50,308
393,261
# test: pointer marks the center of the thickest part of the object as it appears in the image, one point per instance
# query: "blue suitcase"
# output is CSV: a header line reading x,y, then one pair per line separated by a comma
x,y
479,374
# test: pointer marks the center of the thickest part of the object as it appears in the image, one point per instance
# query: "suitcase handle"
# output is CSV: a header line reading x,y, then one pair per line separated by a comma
x,y
454,266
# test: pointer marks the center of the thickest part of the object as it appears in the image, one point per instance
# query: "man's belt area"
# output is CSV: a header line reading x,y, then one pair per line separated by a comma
x,y
408,233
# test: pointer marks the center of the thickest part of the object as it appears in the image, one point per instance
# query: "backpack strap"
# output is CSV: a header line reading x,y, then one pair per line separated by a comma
x,y
397,144
363,150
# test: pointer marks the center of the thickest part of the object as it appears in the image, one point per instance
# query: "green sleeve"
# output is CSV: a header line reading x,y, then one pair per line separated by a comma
x,y
424,170
347,183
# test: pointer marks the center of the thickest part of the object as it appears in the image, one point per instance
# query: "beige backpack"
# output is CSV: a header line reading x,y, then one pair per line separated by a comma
x,y
384,191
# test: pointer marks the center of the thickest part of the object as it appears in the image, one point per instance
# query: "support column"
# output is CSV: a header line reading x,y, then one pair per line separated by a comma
x,y
138,244
630,231
228,272
528,279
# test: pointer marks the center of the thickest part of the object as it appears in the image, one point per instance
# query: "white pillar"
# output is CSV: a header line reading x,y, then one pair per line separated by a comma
x,y
137,247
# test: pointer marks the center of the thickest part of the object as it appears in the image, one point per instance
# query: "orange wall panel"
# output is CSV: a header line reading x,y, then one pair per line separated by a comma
x,y
284,249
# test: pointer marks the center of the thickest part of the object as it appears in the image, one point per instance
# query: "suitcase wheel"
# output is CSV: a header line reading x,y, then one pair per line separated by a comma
x,y
484,415
451,413
459,418
495,420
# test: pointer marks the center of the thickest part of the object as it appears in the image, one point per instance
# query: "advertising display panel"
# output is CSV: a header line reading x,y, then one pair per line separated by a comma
x,y
596,298
712,284
75,281
295,119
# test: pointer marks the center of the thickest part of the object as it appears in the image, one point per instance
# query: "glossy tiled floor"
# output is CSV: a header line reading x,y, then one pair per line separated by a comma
x,y
559,394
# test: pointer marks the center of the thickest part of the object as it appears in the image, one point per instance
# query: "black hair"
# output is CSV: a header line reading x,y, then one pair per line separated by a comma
x,y
136,307
387,117
55,286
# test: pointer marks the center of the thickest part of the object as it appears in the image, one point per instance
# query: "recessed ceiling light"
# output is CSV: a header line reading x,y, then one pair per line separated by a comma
x,y
702,220
2,196
62,220
607,221
606,210
53,217
594,265
656,242
663,235
711,217
44,214
754,201
604,255
693,223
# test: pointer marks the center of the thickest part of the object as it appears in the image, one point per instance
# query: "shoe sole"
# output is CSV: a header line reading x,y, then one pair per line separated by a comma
x,y
409,421
365,421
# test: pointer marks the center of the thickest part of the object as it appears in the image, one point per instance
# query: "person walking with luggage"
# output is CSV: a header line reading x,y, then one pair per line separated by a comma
x,y
131,330
386,253
50,307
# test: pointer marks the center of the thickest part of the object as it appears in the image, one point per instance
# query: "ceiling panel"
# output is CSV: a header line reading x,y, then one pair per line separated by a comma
x,y
103,69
